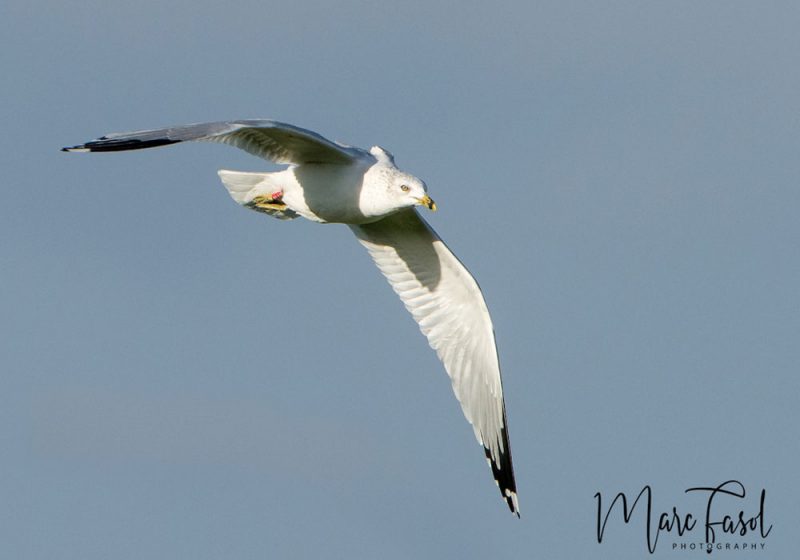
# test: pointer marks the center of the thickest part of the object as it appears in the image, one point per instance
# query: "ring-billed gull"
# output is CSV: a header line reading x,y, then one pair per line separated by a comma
x,y
329,182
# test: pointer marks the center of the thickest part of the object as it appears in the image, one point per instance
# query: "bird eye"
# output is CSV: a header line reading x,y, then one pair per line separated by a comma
x,y
404,188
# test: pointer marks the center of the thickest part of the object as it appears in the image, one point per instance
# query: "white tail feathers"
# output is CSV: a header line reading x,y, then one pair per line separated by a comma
x,y
242,185
257,192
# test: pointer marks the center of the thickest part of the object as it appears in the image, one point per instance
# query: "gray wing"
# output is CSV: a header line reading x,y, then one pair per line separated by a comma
x,y
271,140
447,303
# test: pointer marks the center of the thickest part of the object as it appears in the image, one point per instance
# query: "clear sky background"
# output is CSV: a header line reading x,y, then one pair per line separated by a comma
x,y
182,378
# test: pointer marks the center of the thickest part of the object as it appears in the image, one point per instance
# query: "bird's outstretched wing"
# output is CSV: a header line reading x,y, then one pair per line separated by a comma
x,y
271,140
445,300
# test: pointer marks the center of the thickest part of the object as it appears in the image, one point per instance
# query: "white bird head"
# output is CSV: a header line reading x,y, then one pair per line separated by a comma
x,y
410,191
395,189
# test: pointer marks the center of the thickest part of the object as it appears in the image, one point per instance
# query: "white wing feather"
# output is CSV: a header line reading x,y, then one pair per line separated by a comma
x,y
271,140
447,303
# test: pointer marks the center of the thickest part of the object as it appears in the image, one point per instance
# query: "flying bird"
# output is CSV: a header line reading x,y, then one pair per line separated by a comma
x,y
329,182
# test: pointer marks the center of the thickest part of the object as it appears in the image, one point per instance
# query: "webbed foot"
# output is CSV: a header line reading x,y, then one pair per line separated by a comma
x,y
272,201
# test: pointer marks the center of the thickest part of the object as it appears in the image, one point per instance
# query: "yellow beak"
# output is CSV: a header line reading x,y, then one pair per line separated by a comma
x,y
427,201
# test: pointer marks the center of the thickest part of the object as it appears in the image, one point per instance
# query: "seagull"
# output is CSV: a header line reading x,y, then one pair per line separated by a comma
x,y
330,182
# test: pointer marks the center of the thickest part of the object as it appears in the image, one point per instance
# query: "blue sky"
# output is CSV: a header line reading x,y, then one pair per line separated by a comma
x,y
186,379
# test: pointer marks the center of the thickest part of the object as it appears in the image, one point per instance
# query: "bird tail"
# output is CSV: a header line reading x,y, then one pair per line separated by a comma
x,y
255,191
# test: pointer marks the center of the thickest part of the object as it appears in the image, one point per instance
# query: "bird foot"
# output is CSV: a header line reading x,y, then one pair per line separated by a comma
x,y
271,201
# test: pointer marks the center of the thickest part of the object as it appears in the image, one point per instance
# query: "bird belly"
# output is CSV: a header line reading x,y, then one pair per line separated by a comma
x,y
325,192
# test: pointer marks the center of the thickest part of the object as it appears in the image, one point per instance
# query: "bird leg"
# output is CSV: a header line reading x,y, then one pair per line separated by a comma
x,y
271,201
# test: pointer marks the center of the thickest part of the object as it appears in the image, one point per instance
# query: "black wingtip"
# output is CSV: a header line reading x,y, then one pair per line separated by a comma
x,y
503,472
118,144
